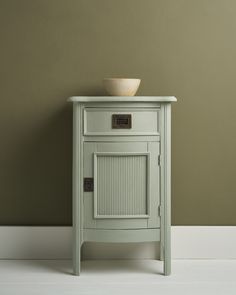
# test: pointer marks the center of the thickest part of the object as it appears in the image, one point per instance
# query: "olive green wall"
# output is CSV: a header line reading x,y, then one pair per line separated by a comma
x,y
52,49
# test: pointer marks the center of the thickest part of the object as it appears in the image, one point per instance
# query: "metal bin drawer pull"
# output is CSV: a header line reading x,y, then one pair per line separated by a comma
x,y
121,121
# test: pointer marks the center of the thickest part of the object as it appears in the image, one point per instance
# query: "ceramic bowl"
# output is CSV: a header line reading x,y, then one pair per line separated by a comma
x,y
121,86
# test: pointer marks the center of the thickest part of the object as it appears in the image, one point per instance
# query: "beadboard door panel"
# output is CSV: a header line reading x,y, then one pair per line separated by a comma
x,y
126,185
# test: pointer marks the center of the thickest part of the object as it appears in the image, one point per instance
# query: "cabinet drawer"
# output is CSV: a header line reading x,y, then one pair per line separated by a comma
x,y
122,121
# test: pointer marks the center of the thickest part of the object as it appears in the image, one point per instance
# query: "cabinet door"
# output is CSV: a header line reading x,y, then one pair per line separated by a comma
x,y
125,192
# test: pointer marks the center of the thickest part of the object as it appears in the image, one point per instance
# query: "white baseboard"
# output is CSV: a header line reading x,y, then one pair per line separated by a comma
x,y
203,242
35,242
55,242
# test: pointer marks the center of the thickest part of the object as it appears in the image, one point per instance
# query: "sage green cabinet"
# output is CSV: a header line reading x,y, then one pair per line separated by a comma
x,y
121,172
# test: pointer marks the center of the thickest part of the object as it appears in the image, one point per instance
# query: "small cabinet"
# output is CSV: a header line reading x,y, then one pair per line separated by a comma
x,y
121,172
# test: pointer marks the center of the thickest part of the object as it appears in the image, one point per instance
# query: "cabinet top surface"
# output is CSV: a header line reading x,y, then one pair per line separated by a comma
x,y
122,99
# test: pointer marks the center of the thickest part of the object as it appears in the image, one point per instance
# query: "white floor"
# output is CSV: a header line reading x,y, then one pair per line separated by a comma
x,y
51,277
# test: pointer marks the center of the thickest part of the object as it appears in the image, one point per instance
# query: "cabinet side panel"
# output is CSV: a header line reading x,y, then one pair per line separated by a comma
x,y
76,189
166,186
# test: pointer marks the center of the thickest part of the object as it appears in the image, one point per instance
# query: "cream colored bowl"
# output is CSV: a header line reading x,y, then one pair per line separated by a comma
x,y
121,86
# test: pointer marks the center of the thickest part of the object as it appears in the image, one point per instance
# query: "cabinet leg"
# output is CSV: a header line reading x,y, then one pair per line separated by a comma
x,y
167,268
77,261
167,261
77,253
161,252
77,270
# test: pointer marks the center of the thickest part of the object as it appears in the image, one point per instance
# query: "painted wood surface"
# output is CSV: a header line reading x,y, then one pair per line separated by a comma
x,y
97,121
122,236
76,189
131,197
166,188
122,99
121,185
90,199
